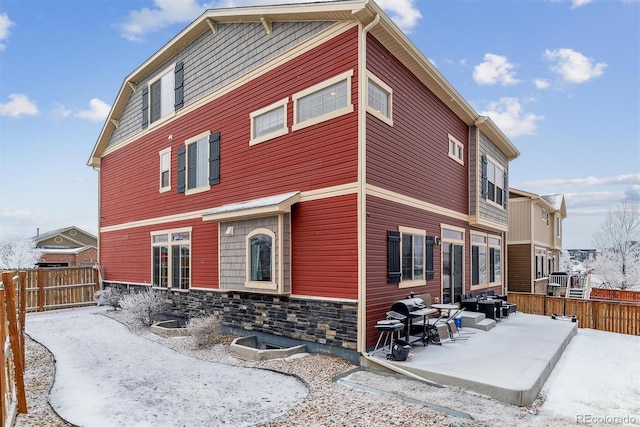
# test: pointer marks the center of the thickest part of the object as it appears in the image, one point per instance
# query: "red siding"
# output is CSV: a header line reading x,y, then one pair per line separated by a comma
x,y
325,248
412,156
324,242
314,157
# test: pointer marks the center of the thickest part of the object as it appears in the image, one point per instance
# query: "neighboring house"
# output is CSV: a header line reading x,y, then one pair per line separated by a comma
x,y
67,247
534,240
297,169
582,255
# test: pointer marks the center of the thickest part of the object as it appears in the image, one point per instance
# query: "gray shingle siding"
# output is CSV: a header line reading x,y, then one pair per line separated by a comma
x,y
214,60
486,210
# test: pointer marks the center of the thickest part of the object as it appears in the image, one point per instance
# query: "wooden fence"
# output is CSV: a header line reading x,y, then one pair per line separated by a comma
x,y
65,287
612,316
614,294
12,316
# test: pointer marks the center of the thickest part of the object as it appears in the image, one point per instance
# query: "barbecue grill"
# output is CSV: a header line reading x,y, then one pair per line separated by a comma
x,y
407,310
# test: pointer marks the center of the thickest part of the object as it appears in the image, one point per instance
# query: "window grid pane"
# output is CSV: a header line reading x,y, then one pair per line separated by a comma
x,y
268,122
378,99
324,101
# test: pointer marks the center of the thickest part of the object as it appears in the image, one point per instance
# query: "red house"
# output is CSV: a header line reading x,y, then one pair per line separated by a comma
x,y
297,169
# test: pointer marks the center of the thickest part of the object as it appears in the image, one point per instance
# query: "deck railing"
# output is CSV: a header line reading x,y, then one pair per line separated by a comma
x,y
612,316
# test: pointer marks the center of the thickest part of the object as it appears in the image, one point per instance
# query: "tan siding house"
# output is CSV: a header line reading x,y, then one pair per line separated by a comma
x,y
534,240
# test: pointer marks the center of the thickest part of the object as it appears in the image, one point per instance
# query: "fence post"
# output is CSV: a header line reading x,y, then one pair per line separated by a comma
x,y
96,278
3,365
40,289
14,340
22,275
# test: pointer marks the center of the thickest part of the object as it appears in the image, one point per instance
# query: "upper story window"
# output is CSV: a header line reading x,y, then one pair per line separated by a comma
x,y
493,182
379,99
324,101
558,227
163,95
545,217
456,150
199,163
269,122
165,173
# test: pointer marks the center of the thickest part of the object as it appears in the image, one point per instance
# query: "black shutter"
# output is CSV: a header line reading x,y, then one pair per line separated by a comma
x,y
156,100
393,256
179,85
181,168
214,158
175,266
483,176
429,252
192,165
505,193
145,107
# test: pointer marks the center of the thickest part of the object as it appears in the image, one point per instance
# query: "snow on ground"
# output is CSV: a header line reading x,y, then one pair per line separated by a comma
x,y
114,377
107,376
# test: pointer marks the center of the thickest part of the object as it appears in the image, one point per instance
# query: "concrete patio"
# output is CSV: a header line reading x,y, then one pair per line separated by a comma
x,y
509,362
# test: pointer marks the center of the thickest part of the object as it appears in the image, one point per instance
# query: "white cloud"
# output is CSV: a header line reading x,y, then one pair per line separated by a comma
x,y
577,3
494,69
18,105
163,14
632,194
5,24
168,12
61,112
573,66
627,179
593,199
508,115
97,112
541,83
402,12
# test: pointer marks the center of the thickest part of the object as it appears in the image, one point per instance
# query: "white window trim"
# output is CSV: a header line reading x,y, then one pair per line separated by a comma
x,y
420,282
501,169
282,131
188,191
498,245
160,154
170,266
487,267
170,69
388,120
459,148
260,285
315,88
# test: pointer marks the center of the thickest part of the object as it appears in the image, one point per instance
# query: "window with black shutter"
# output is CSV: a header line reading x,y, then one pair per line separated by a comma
x,y
145,107
393,256
179,85
214,158
429,273
182,167
483,176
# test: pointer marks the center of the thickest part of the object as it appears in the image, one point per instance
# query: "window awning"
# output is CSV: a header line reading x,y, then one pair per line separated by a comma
x,y
265,206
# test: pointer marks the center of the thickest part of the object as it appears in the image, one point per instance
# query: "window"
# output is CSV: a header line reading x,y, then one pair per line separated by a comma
x,y
452,264
493,182
260,259
409,257
269,122
558,227
165,174
379,99
199,163
323,101
163,95
495,260
456,150
478,260
545,217
171,258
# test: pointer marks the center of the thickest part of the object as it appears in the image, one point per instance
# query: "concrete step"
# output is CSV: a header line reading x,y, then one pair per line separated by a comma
x,y
470,318
485,324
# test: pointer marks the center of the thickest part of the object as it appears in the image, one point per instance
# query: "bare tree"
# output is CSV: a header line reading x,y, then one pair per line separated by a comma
x,y
618,245
18,252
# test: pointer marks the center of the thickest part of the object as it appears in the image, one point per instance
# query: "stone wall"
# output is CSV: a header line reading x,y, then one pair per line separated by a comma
x,y
325,326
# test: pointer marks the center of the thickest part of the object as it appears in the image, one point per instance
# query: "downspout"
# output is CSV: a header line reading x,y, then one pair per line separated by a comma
x,y
362,188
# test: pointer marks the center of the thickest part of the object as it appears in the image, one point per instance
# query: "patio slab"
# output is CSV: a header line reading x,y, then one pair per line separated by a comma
x,y
510,362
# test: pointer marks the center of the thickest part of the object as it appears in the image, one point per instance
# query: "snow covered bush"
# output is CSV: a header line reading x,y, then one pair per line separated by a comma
x,y
143,307
204,330
110,297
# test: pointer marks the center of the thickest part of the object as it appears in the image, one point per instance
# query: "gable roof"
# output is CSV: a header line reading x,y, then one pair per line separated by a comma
x,y
361,11
551,202
62,232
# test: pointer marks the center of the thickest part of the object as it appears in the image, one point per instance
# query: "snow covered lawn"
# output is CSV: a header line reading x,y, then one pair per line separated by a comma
x,y
107,376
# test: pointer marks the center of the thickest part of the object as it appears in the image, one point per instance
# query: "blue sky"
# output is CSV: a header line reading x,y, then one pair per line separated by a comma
x,y
561,78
